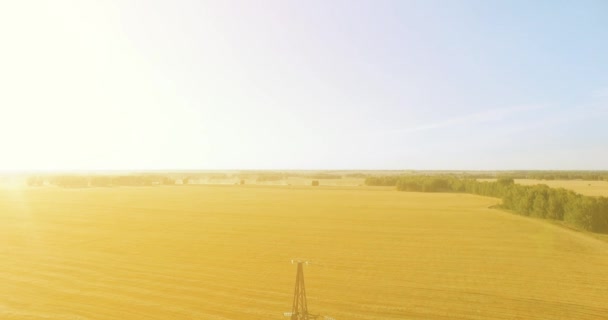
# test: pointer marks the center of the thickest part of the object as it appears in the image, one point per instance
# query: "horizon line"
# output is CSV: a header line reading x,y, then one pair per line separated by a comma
x,y
30,171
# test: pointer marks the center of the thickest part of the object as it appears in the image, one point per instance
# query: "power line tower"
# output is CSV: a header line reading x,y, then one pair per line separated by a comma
x,y
299,310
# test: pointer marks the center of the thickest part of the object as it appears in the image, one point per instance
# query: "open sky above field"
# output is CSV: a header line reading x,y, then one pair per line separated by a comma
x,y
303,85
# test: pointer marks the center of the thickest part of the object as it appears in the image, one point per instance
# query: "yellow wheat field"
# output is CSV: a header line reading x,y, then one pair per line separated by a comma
x,y
223,252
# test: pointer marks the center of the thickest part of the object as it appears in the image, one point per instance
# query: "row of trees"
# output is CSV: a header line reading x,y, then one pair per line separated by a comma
x,y
558,175
588,213
382,180
322,176
281,175
537,175
82,181
271,177
150,179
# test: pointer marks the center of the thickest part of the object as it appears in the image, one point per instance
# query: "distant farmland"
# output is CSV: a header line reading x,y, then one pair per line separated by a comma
x,y
223,252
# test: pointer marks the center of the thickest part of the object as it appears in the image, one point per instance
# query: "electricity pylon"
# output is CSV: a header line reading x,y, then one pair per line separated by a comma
x,y
299,309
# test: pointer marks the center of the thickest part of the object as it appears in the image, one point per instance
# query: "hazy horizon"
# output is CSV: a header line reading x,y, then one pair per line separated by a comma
x,y
285,85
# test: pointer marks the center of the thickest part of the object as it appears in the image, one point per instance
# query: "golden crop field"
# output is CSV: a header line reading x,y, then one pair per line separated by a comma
x,y
223,252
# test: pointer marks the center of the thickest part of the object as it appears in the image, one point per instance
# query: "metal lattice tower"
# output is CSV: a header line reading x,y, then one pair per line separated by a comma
x,y
299,309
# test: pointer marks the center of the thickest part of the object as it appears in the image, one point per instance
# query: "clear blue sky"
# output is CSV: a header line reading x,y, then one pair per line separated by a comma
x,y
303,85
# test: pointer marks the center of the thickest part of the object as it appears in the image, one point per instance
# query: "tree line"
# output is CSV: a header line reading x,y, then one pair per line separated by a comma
x,y
523,174
82,181
585,212
558,175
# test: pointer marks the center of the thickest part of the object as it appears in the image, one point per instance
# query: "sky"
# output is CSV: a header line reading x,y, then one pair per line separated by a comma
x,y
183,85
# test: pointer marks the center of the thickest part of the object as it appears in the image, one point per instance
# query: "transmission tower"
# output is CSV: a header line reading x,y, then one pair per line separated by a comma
x,y
299,310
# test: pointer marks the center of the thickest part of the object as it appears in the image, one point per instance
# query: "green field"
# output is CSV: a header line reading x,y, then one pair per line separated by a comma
x,y
223,252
